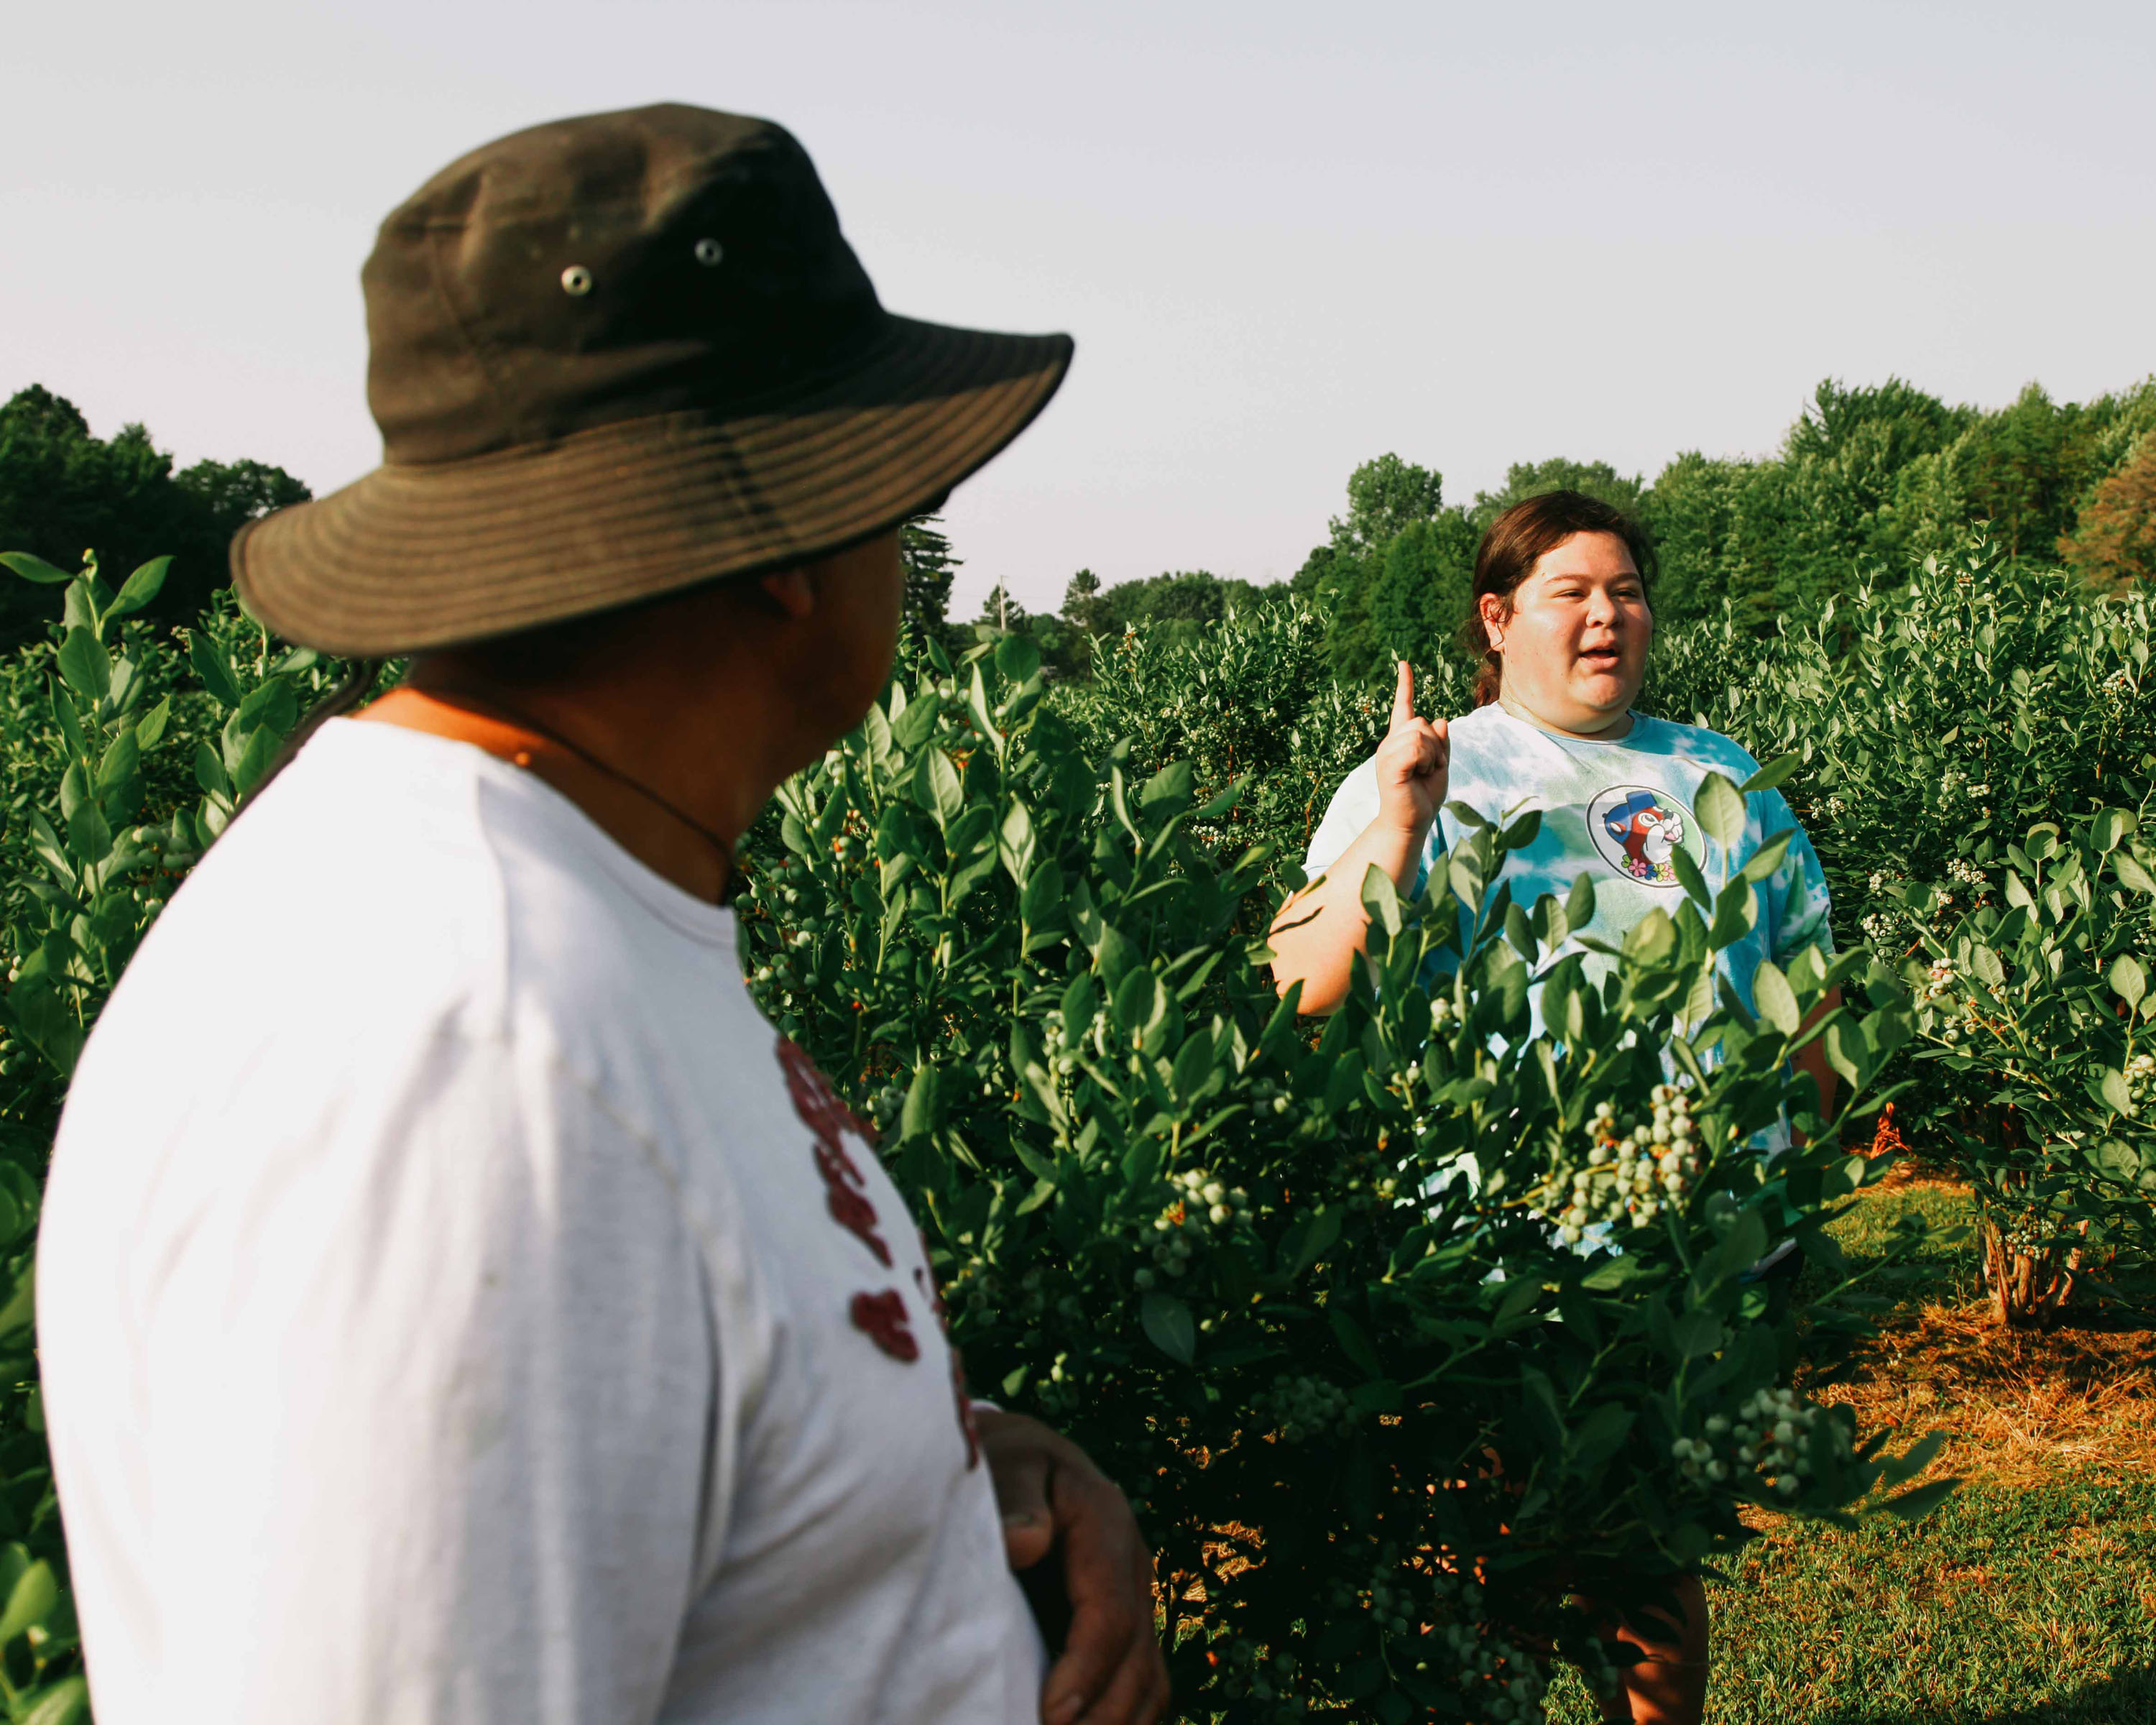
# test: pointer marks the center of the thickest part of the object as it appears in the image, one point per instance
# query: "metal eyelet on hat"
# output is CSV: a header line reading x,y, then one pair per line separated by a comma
x,y
709,252
576,280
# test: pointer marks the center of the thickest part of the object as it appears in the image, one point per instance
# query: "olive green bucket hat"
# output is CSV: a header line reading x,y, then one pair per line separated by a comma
x,y
615,358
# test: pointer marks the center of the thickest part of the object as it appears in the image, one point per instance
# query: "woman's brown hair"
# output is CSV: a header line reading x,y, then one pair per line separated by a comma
x,y
1518,540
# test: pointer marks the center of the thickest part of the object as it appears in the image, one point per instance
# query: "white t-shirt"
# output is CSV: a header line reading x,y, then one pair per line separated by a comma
x,y
457,1304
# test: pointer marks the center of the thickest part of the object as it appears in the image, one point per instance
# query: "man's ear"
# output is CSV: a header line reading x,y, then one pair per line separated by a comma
x,y
792,591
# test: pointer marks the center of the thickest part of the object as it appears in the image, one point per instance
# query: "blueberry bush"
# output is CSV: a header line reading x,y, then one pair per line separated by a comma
x,y
1977,747
1425,1340
101,823
1405,1330
2039,999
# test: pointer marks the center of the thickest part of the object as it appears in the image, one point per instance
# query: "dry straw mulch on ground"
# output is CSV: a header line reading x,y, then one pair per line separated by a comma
x,y
2016,1404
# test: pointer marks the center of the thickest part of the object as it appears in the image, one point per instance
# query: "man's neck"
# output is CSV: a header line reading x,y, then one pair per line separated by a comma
x,y
1610,732
677,815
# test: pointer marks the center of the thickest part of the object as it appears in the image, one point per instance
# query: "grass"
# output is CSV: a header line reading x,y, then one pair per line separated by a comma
x,y
2029,1595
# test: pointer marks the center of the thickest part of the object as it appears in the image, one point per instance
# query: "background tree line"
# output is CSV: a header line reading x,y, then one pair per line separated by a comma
x,y
1866,484
62,490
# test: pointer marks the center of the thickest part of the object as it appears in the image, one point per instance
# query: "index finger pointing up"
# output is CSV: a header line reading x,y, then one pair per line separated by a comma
x,y
1403,696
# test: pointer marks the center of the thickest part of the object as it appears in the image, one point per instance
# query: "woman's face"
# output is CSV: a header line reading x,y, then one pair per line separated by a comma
x,y
1574,641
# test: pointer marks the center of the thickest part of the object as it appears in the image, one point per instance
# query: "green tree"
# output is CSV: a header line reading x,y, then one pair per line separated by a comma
x,y
63,490
1383,496
1531,478
1082,602
1838,418
1418,598
1386,497
925,553
1003,612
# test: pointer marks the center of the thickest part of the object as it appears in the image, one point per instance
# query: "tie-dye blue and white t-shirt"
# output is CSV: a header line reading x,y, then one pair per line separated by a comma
x,y
1612,811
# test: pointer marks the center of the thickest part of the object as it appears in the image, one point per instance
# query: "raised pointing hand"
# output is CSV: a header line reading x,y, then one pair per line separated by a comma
x,y
1412,763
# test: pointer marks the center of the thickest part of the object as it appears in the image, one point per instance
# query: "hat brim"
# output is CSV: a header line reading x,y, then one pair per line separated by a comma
x,y
417,557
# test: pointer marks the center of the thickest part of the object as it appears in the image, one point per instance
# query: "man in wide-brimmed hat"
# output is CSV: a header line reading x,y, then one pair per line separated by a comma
x,y
457,1303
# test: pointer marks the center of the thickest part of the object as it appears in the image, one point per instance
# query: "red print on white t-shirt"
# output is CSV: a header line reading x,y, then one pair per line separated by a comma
x,y
828,1118
880,1316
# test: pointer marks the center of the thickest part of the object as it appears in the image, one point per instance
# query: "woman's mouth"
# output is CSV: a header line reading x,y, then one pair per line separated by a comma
x,y
1601,659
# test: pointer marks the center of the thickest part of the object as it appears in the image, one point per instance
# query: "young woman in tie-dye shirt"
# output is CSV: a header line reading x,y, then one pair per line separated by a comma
x,y
1562,623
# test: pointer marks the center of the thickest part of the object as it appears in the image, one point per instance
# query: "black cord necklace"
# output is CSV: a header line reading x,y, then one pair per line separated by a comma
x,y
488,704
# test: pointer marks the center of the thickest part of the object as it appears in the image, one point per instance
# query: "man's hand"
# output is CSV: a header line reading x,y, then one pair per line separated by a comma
x,y
1413,764
1111,1671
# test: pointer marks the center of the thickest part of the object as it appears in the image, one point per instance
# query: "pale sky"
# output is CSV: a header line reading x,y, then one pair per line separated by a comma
x,y
1287,238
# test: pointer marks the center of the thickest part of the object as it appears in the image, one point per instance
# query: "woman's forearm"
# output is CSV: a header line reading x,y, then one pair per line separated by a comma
x,y
1319,931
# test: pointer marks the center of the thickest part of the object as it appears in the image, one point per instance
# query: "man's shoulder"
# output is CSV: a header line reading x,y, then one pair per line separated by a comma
x,y
386,882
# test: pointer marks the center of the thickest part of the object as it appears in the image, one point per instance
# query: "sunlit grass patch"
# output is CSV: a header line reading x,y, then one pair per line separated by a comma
x,y
2030,1594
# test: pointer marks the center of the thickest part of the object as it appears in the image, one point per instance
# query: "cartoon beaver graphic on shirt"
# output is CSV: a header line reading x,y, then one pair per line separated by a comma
x,y
1638,830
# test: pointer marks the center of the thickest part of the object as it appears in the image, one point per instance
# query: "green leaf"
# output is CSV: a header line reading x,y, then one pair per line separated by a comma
x,y
1018,658
1721,810
90,835
1168,1327
1736,912
1194,1067
1169,791
1766,858
209,666
67,1703
1381,899
122,762
917,723
1612,1273
1549,924
1522,832
2116,1096
2131,874
1846,1051
1774,773
1355,1341
2109,828
1042,899
1775,998
34,569
1015,842
977,704
151,732
1306,1241
263,743
211,776
140,587
1920,1500
1519,933
2128,979
919,1115
1690,878
85,665
29,1602
1579,903
938,786
1652,939
21,1310
1226,800
1698,1333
